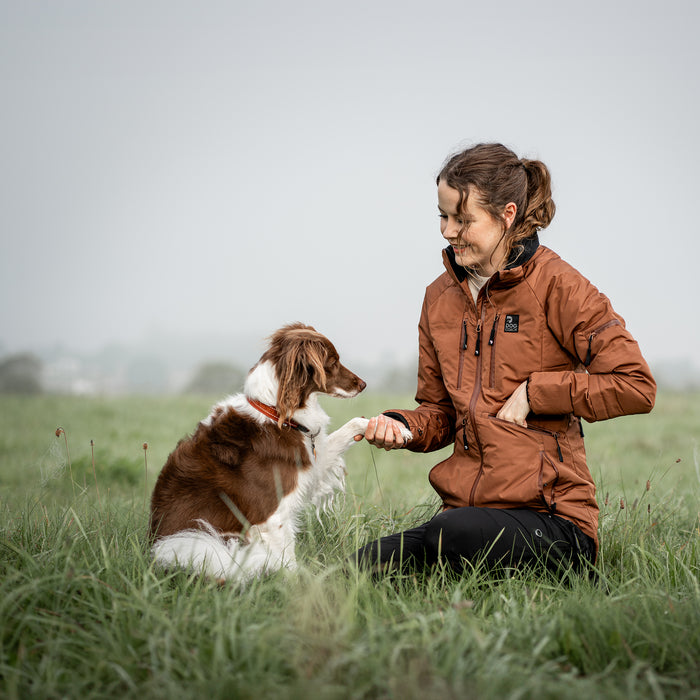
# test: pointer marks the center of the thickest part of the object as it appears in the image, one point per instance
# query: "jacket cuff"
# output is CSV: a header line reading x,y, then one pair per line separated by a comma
x,y
550,393
396,416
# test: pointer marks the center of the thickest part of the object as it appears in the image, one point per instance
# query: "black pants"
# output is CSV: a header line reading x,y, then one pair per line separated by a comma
x,y
489,536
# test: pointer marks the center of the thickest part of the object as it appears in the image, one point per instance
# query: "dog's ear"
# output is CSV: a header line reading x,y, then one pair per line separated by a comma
x,y
316,356
301,370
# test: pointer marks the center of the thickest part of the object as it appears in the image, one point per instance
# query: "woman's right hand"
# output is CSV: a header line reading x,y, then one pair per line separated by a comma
x,y
385,432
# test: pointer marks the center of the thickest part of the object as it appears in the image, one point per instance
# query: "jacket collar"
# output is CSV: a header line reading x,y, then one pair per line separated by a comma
x,y
517,259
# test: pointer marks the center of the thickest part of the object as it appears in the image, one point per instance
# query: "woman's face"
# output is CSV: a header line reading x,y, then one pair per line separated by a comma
x,y
475,236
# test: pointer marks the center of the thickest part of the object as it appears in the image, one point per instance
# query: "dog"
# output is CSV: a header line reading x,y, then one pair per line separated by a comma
x,y
227,502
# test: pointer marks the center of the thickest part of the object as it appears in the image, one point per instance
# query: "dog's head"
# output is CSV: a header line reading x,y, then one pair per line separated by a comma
x,y
306,362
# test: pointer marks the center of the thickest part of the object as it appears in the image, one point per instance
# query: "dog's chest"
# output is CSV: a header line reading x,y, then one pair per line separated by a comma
x,y
291,505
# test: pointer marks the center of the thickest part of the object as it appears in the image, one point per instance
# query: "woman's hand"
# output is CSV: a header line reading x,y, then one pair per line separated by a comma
x,y
517,407
385,432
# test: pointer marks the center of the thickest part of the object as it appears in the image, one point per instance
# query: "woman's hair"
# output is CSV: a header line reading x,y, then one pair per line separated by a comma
x,y
500,177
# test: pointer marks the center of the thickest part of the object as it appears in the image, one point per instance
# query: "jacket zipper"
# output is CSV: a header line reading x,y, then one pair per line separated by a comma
x,y
492,342
556,439
472,405
462,348
552,505
600,329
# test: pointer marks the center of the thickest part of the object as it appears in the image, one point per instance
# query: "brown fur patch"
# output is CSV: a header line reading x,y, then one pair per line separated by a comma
x,y
236,456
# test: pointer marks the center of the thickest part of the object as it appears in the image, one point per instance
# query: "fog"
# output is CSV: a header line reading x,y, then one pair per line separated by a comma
x,y
183,177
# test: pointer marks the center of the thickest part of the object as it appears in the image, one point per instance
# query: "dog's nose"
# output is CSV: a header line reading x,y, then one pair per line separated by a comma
x,y
363,385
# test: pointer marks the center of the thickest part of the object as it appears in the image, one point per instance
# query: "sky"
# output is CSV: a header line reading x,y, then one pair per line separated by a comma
x,y
210,169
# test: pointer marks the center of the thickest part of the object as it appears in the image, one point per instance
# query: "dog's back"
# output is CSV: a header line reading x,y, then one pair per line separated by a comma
x,y
231,469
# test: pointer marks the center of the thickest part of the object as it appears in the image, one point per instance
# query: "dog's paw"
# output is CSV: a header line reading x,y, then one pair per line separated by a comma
x,y
357,426
407,435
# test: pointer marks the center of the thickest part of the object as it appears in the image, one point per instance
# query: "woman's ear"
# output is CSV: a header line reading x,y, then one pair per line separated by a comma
x,y
509,212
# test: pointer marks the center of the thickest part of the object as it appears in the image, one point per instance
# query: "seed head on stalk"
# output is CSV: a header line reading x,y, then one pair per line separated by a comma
x,y
60,431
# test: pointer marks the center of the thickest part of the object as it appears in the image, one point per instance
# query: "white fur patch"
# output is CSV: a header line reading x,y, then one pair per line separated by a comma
x,y
208,553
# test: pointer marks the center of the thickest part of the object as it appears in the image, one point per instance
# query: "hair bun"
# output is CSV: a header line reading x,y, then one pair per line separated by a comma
x,y
540,208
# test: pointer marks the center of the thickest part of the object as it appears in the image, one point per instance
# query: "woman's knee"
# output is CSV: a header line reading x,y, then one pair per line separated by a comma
x,y
448,536
432,541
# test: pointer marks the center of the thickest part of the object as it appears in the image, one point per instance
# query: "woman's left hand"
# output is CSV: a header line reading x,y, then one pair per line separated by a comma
x,y
517,407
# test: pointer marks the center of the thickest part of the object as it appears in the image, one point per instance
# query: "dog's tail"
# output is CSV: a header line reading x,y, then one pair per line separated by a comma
x,y
206,552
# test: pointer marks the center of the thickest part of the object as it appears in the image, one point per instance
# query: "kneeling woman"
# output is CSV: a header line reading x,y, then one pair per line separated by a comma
x,y
515,348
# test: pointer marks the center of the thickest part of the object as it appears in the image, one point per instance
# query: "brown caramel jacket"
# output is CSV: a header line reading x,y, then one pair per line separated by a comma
x,y
538,320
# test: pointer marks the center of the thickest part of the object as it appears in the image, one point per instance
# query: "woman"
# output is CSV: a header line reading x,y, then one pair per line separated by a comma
x,y
515,348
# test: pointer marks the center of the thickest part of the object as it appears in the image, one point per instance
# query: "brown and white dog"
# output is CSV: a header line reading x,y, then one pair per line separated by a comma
x,y
227,501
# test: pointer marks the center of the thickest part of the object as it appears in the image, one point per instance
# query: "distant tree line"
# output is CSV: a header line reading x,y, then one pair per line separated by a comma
x,y
21,374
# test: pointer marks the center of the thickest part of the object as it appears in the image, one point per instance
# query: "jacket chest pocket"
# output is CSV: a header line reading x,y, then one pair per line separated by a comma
x,y
474,343
449,342
511,346
492,346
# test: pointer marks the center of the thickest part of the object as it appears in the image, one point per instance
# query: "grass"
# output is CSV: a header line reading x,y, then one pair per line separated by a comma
x,y
84,614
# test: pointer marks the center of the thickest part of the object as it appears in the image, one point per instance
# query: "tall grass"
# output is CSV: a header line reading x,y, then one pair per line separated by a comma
x,y
83,613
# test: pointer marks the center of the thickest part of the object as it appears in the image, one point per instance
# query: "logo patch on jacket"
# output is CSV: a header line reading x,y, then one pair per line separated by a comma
x,y
512,324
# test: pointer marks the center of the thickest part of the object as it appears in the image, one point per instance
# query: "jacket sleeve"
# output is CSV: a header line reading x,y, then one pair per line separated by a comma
x,y
432,422
613,379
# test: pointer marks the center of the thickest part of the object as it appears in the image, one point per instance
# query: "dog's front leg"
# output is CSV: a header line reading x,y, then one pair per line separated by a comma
x,y
340,440
344,437
331,474
330,466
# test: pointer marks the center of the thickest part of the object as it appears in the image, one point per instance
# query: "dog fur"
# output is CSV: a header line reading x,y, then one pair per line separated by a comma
x,y
227,501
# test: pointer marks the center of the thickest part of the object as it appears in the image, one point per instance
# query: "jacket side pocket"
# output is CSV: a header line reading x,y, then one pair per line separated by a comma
x,y
547,482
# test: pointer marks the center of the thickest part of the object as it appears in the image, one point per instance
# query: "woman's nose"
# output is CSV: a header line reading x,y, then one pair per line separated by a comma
x,y
451,231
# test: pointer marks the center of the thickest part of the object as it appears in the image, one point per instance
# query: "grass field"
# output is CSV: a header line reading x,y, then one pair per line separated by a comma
x,y
84,614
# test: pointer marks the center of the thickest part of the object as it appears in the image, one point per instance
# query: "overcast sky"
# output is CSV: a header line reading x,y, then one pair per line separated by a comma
x,y
221,167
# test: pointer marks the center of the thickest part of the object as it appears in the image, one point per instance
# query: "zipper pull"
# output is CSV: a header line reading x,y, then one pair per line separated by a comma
x,y
477,349
464,434
492,337
464,336
556,439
